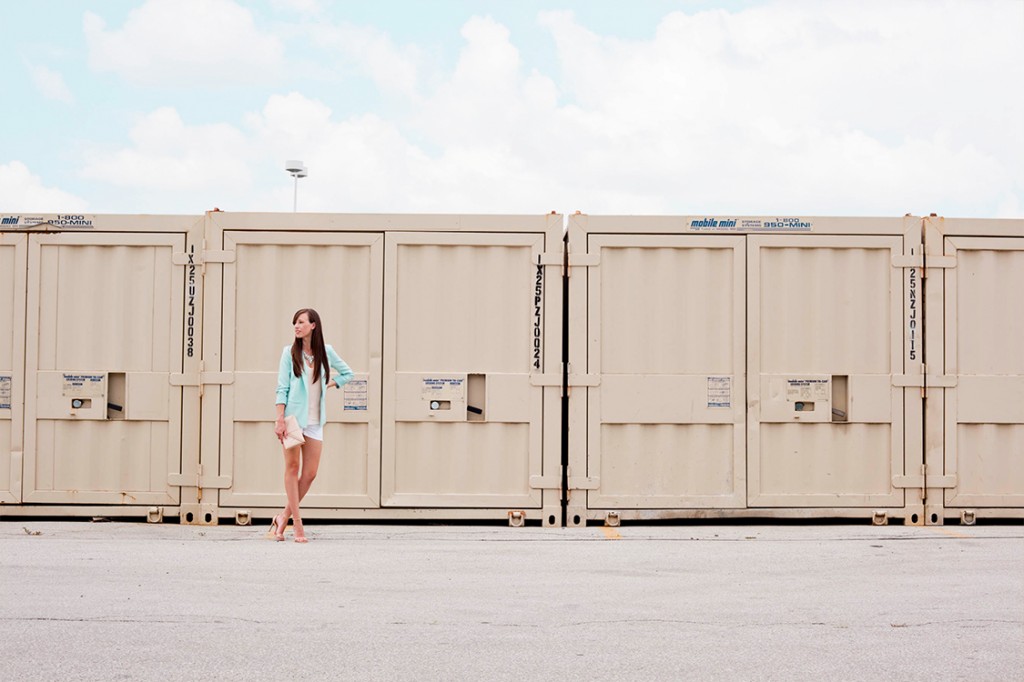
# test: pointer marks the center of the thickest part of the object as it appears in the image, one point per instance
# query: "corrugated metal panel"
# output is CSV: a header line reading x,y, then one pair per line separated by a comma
x,y
272,281
823,467
825,329
665,330
677,461
464,306
109,307
984,362
462,464
463,424
990,311
669,310
117,294
269,276
90,456
827,310
990,465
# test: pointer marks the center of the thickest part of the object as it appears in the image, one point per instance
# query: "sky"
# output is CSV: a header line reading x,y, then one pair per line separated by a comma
x,y
667,107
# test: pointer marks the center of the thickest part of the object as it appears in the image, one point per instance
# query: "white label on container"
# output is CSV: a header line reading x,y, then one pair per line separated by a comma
x,y
807,389
5,392
444,388
751,225
719,391
355,394
85,385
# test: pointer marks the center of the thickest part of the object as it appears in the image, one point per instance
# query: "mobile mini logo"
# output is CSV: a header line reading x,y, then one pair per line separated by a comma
x,y
718,223
10,220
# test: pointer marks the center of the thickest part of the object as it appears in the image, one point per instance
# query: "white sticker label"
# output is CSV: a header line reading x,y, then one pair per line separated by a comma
x,y
5,392
355,394
751,224
444,388
807,389
85,385
719,391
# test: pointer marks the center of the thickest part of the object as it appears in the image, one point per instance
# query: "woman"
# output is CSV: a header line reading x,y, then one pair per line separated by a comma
x,y
301,379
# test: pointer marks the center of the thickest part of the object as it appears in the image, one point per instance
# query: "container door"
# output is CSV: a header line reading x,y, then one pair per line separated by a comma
x,y
462,420
984,329
12,355
103,422
826,421
666,334
273,275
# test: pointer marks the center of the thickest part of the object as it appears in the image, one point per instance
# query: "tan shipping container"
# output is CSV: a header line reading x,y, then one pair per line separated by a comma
x,y
98,304
975,435
454,335
717,366
743,366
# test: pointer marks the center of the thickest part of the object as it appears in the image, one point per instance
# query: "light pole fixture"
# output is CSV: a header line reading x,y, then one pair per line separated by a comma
x,y
297,170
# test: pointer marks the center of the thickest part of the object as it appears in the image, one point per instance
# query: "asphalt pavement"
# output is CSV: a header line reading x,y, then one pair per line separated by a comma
x,y
132,601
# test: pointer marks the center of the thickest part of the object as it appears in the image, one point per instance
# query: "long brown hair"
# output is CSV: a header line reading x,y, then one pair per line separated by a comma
x,y
316,344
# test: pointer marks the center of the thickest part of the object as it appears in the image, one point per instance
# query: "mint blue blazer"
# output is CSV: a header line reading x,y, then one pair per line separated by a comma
x,y
293,393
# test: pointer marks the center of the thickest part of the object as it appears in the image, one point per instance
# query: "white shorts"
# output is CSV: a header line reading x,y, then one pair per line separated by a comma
x,y
314,431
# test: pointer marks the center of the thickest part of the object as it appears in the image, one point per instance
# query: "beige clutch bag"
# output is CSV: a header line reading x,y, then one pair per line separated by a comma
x,y
292,433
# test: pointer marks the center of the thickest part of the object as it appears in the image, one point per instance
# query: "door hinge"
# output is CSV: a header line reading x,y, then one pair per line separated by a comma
x,y
550,482
583,482
924,381
198,480
923,261
922,481
202,257
584,260
202,378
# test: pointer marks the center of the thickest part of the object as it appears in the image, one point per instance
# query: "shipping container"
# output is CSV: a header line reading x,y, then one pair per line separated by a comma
x,y
744,366
975,381
708,366
452,325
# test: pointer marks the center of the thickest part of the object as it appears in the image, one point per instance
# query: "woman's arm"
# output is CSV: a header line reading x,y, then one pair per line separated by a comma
x,y
284,380
345,373
279,428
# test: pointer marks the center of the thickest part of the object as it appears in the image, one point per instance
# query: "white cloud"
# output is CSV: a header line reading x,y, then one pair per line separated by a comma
x,y
394,69
170,156
21,190
309,7
50,83
773,109
204,42
777,109
488,98
355,164
799,108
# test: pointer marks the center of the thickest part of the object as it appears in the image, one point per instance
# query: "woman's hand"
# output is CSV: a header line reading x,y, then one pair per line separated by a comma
x,y
279,429
332,384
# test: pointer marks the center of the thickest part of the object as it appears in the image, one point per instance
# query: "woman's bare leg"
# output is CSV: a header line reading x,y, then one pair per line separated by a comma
x,y
311,451
291,487
310,465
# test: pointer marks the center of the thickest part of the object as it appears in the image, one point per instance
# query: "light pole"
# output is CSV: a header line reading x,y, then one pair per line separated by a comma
x,y
297,170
